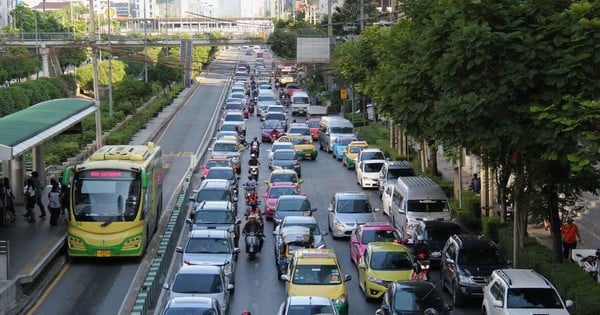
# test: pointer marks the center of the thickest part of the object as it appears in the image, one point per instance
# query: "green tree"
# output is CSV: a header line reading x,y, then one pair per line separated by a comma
x,y
73,56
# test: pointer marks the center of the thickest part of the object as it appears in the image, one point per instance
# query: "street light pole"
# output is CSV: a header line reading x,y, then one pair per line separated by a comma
x,y
95,79
110,96
145,40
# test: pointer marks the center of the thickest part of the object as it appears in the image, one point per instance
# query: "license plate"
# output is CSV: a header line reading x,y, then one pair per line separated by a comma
x,y
306,154
103,253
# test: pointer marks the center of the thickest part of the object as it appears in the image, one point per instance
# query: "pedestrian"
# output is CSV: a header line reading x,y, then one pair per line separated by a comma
x,y
39,187
29,192
570,234
54,202
64,202
475,185
9,200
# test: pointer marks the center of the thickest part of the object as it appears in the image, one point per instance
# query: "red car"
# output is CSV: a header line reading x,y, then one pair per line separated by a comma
x,y
313,126
272,195
371,232
214,162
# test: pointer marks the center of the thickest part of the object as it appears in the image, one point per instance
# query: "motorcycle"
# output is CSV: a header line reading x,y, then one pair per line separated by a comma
x,y
420,268
255,149
252,244
253,171
590,265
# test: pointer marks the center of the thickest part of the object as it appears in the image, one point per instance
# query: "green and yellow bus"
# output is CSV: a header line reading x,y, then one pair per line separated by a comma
x,y
115,201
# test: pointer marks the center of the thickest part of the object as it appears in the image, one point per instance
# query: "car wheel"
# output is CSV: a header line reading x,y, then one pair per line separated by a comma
x,y
457,298
333,155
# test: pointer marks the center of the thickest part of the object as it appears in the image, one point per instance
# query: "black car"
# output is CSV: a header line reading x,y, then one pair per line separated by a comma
x,y
467,264
286,159
292,205
435,234
216,215
412,298
213,190
223,172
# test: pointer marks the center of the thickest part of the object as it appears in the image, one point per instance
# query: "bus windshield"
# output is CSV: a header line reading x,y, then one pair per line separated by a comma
x,y
106,195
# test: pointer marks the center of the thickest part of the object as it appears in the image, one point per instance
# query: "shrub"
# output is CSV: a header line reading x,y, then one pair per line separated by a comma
x,y
491,228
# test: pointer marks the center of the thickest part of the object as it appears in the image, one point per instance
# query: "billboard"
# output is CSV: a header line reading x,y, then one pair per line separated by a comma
x,y
312,50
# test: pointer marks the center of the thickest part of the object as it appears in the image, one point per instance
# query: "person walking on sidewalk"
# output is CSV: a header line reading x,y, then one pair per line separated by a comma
x,y
39,187
475,185
29,190
54,202
10,199
570,234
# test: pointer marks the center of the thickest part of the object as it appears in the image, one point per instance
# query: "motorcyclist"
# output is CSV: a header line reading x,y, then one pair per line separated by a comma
x,y
250,185
254,226
255,211
274,134
254,143
253,161
420,247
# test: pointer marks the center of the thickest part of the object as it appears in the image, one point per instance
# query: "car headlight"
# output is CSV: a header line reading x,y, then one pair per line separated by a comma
x,y
342,299
376,281
227,268
339,223
436,254
465,279
235,159
277,167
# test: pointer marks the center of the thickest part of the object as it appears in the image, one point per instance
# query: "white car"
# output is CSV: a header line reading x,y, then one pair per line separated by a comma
x,y
278,146
521,291
367,173
203,281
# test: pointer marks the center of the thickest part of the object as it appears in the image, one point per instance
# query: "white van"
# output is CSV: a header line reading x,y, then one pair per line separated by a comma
x,y
300,102
332,127
413,199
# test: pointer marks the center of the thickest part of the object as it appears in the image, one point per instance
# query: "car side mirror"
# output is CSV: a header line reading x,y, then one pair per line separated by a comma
x,y
202,177
266,181
450,261
238,221
192,198
313,209
275,232
230,287
264,195
376,209
497,303
569,303
300,181
324,233
284,278
236,250
179,249
347,277
188,221
166,287
361,263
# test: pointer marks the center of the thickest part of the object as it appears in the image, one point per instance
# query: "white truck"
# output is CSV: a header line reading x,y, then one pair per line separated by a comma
x,y
316,110
300,102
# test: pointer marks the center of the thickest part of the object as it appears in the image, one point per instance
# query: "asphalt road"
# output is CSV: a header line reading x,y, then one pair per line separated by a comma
x,y
90,286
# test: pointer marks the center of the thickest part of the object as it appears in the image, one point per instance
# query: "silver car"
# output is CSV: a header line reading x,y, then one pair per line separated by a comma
x,y
203,281
347,211
210,247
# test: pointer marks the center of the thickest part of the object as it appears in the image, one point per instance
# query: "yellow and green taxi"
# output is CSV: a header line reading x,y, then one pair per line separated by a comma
x,y
381,265
283,176
305,149
351,153
317,272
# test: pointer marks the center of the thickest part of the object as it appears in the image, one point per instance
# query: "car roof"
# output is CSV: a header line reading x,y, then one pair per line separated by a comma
x,y
351,195
358,142
473,242
386,247
194,269
190,301
308,300
299,219
214,183
283,171
221,168
211,233
398,164
293,197
373,161
285,151
232,123
371,150
282,184
523,278
377,226
226,141
216,205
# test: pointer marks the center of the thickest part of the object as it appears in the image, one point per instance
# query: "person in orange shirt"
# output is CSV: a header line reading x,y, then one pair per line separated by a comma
x,y
570,234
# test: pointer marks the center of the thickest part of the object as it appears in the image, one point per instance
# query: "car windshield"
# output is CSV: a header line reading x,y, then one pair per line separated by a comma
x,y
533,298
192,310
280,191
198,245
234,117
236,96
417,300
369,236
229,127
342,130
225,147
293,205
373,167
390,261
353,206
355,149
487,256
428,206
372,156
214,173
276,109
284,178
213,195
276,116
217,163
314,228
312,124
235,106
266,98
344,142
300,140
309,310
197,283
284,155
317,275
394,173
272,124
212,216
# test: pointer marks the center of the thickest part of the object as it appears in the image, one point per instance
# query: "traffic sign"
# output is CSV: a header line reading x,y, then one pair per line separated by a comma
x,y
343,94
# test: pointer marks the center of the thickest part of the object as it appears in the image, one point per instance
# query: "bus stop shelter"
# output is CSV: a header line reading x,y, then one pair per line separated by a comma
x,y
28,130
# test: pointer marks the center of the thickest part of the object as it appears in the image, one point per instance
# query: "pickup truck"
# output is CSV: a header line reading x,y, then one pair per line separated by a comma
x,y
316,110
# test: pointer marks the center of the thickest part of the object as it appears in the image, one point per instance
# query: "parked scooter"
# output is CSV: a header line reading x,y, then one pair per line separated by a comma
x,y
590,264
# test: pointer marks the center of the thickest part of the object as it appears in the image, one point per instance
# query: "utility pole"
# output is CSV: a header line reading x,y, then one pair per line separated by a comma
x,y
110,96
329,22
95,66
145,46
362,15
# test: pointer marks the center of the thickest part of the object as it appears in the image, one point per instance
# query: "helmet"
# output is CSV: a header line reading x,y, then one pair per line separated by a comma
x,y
255,138
419,237
252,217
431,311
246,313
250,177
252,156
